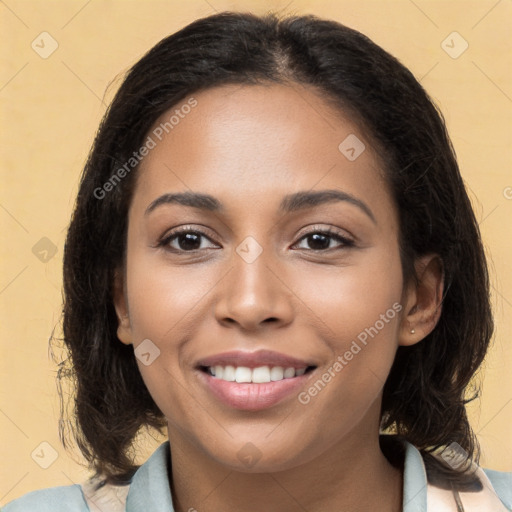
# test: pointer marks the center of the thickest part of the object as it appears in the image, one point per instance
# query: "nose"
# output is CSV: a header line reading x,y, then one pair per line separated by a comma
x,y
254,295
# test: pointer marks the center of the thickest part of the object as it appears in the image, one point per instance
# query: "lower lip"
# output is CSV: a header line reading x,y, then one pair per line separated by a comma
x,y
252,397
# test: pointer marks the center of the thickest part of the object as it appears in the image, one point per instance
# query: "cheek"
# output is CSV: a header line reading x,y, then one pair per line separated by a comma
x,y
349,299
160,295
164,302
359,311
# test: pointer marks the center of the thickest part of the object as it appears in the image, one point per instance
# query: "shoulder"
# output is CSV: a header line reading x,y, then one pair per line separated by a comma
x,y
67,498
149,490
91,496
103,497
437,494
501,482
495,494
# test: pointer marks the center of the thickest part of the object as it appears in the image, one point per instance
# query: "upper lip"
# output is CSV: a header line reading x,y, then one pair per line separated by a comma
x,y
253,359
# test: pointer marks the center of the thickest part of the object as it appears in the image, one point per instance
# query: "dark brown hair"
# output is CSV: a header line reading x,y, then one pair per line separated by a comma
x,y
425,393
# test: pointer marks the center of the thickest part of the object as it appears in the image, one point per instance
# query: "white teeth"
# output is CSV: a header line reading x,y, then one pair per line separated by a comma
x,y
243,374
229,373
259,375
289,372
276,373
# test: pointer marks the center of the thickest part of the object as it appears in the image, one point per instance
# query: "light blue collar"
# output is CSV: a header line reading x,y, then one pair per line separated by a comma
x,y
150,490
415,480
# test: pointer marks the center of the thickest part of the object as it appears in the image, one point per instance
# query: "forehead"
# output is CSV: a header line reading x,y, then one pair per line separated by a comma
x,y
247,144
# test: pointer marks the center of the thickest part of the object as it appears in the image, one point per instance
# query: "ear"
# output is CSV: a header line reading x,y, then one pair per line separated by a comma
x,y
423,300
124,330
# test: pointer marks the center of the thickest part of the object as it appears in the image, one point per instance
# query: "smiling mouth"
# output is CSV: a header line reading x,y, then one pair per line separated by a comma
x,y
258,375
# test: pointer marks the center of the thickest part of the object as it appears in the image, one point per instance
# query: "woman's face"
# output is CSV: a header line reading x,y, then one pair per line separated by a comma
x,y
306,323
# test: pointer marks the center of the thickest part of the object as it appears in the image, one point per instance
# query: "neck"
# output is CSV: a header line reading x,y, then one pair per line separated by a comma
x,y
352,475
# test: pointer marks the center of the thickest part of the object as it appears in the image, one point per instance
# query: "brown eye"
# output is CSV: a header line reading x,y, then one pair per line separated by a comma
x,y
321,241
184,240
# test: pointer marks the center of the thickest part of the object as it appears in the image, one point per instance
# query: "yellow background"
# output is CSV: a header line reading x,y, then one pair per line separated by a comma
x,y
50,109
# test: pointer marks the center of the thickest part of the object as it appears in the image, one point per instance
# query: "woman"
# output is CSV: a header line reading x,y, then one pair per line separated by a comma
x,y
274,256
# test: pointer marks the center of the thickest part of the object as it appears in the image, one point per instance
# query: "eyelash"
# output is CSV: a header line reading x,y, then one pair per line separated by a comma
x,y
330,233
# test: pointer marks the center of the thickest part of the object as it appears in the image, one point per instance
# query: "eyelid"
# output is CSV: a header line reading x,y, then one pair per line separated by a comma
x,y
202,231
330,230
345,240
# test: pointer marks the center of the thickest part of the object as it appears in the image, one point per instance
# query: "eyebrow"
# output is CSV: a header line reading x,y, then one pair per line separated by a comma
x,y
290,203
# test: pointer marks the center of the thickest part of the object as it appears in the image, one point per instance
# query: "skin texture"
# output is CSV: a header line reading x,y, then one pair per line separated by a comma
x,y
249,146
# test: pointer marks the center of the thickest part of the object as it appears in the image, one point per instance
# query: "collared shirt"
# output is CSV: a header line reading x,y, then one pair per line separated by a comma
x,y
149,491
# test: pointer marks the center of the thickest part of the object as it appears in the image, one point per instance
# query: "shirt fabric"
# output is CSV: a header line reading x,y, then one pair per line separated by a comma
x,y
149,491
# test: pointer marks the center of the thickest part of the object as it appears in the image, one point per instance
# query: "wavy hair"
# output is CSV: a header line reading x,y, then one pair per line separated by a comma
x,y
425,394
